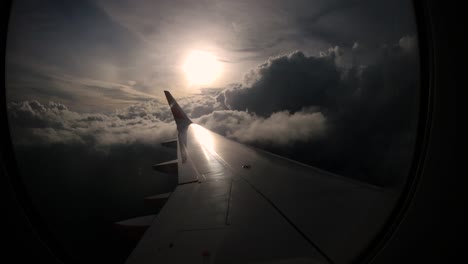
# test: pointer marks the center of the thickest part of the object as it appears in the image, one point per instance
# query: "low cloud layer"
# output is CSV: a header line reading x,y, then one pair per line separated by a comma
x,y
281,128
151,123
34,123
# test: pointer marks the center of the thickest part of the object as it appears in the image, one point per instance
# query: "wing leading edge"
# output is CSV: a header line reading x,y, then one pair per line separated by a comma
x,y
237,204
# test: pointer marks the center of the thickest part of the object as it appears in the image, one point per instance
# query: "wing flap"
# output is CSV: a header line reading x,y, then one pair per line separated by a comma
x,y
191,207
221,221
167,167
170,144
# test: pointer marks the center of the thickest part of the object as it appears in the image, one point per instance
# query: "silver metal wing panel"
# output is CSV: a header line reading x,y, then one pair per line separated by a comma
x,y
237,204
218,218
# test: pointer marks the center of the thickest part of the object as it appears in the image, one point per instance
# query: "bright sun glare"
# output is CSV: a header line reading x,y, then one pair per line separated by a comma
x,y
201,67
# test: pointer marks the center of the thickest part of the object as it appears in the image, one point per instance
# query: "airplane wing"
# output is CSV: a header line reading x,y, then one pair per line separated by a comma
x,y
239,204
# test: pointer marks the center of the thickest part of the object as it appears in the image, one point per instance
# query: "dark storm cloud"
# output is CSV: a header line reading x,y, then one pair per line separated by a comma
x,y
370,110
268,26
287,83
295,80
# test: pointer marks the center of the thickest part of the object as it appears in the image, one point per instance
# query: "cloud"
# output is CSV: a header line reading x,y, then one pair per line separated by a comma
x,y
294,80
286,83
199,105
151,123
281,128
370,110
343,22
36,124
27,80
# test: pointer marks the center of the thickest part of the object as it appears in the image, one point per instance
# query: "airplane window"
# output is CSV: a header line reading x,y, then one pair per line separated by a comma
x,y
328,89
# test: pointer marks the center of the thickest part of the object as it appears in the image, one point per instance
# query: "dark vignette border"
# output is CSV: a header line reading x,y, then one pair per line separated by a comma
x,y
426,103
9,167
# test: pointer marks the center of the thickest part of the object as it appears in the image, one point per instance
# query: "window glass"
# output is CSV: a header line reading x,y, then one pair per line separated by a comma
x,y
332,84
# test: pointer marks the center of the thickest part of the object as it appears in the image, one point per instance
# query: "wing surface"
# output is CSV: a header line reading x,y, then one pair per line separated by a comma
x,y
238,204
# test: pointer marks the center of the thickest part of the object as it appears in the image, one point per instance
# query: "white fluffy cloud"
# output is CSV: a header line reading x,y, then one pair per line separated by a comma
x,y
151,123
281,128
34,123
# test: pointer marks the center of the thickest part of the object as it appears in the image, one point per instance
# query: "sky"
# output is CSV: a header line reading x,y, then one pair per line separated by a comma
x,y
333,84
102,55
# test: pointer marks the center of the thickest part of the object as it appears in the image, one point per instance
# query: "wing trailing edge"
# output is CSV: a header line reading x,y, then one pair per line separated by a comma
x,y
133,229
157,201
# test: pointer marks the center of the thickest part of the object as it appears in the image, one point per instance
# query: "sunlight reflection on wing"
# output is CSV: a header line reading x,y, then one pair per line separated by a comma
x,y
204,137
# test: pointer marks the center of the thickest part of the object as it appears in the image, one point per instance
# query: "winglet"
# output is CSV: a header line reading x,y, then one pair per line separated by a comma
x,y
180,117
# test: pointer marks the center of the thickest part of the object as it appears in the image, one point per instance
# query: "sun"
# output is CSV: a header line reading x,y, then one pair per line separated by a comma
x,y
201,67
